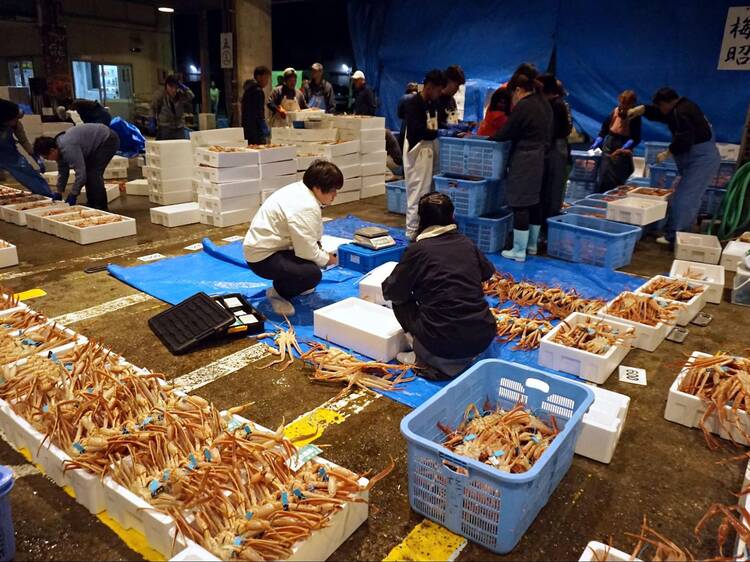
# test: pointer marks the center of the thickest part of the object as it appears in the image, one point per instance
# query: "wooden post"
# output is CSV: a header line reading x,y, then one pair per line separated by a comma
x,y
204,62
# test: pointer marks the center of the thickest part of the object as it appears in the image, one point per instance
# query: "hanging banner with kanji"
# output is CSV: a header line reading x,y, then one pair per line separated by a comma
x,y
735,47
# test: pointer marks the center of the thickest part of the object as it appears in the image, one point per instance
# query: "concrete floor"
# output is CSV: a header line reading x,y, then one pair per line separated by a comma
x,y
660,469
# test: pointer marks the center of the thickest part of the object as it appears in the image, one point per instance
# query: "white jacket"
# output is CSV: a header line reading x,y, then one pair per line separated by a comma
x,y
290,219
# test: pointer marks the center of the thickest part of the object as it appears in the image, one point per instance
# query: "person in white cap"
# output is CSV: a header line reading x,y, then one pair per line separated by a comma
x,y
318,92
364,98
285,97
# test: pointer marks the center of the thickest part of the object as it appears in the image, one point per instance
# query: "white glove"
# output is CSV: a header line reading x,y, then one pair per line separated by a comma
x,y
662,156
637,111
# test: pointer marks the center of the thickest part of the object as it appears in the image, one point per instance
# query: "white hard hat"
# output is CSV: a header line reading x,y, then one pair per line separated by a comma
x,y
358,75
289,72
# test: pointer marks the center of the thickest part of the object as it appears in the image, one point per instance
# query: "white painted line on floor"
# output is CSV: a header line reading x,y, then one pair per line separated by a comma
x,y
221,368
104,308
21,470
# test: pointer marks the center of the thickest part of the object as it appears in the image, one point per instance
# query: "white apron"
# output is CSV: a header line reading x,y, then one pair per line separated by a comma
x,y
420,164
287,105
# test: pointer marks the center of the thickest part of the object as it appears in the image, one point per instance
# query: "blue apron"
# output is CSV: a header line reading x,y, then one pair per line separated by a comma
x,y
12,161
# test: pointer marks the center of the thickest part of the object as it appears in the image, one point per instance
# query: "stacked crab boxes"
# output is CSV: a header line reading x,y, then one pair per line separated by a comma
x,y
227,138
168,170
117,168
345,154
370,132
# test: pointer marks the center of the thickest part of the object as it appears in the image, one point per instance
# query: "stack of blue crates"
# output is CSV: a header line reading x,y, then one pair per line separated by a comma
x,y
583,175
472,173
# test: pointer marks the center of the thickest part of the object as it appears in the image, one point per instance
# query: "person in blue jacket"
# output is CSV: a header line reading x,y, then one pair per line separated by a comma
x,y
12,134
694,150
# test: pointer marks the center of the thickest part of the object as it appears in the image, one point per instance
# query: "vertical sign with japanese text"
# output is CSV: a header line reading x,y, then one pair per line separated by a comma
x,y
735,46
227,52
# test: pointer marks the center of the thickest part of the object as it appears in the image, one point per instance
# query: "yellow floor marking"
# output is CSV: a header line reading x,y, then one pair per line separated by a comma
x,y
30,294
428,541
312,426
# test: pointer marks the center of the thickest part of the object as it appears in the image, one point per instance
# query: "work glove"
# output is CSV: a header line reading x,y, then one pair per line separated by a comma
x,y
597,143
637,111
71,199
57,196
281,111
628,145
40,163
662,156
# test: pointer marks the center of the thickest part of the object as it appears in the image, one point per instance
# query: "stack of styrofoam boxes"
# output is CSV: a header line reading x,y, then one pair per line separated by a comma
x,y
345,154
602,425
228,138
308,142
169,167
734,254
370,132
229,192
117,168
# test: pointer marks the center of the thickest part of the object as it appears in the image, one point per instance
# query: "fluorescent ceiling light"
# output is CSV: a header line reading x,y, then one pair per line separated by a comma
x,y
165,9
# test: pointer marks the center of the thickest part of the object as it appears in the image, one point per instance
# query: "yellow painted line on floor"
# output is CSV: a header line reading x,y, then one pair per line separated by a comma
x,y
310,426
428,541
30,294
135,540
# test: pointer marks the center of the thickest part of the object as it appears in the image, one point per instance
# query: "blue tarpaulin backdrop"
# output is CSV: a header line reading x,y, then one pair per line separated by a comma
x,y
600,49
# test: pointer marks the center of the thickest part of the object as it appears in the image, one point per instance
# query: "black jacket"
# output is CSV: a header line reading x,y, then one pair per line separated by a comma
x,y
365,102
635,129
686,122
563,122
254,113
530,123
445,105
444,276
416,110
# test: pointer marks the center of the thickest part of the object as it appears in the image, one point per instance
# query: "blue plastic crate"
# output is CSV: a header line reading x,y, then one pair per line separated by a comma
x,y
585,166
584,239
663,176
489,233
592,201
472,197
585,210
473,157
483,504
579,189
396,197
652,148
362,259
711,201
725,173
639,182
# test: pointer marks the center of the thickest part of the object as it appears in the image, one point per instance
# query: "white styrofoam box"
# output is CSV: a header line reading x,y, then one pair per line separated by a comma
x,y
351,171
691,307
268,153
118,162
372,190
288,134
347,160
697,247
309,114
583,364
176,215
346,197
303,162
54,129
368,147
207,157
229,174
234,136
197,185
636,210
42,220
20,433
596,551
165,174
277,182
358,122
647,337
733,254
230,189
740,552
171,197
278,168
216,205
603,425
88,489
137,187
373,169
367,136
228,218
100,232
51,177
727,151
332,150
173,160
170,186
16,214
712,276
351,184
111,189
365,327
55,224
687,409
370,286
380,157
643,192
8,255
116,174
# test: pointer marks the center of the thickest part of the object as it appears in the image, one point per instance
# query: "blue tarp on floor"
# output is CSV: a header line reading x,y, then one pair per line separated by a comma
x,y
221,270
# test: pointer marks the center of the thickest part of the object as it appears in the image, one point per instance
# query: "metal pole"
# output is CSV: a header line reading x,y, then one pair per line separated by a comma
x,y
204,62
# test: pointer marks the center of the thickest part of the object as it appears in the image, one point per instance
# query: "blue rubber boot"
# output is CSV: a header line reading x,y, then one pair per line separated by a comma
x,y
533,239
520,242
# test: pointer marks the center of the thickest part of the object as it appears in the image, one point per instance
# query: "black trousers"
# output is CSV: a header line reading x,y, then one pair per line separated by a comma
x,y
524,216
290,274
96,194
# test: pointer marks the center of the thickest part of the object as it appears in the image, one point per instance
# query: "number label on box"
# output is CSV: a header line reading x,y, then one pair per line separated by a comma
x,y
633,375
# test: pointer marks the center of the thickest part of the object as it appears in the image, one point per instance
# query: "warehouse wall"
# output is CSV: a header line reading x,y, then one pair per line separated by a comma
x,y
253,36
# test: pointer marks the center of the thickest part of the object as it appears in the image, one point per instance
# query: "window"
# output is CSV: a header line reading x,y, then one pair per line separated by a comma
x,y
20,71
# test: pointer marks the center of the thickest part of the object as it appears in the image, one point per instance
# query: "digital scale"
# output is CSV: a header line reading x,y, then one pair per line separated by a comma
x,y
373,238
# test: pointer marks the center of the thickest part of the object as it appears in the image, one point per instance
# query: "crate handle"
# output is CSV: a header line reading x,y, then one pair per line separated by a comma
x,y
538,385
453,184
454,465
